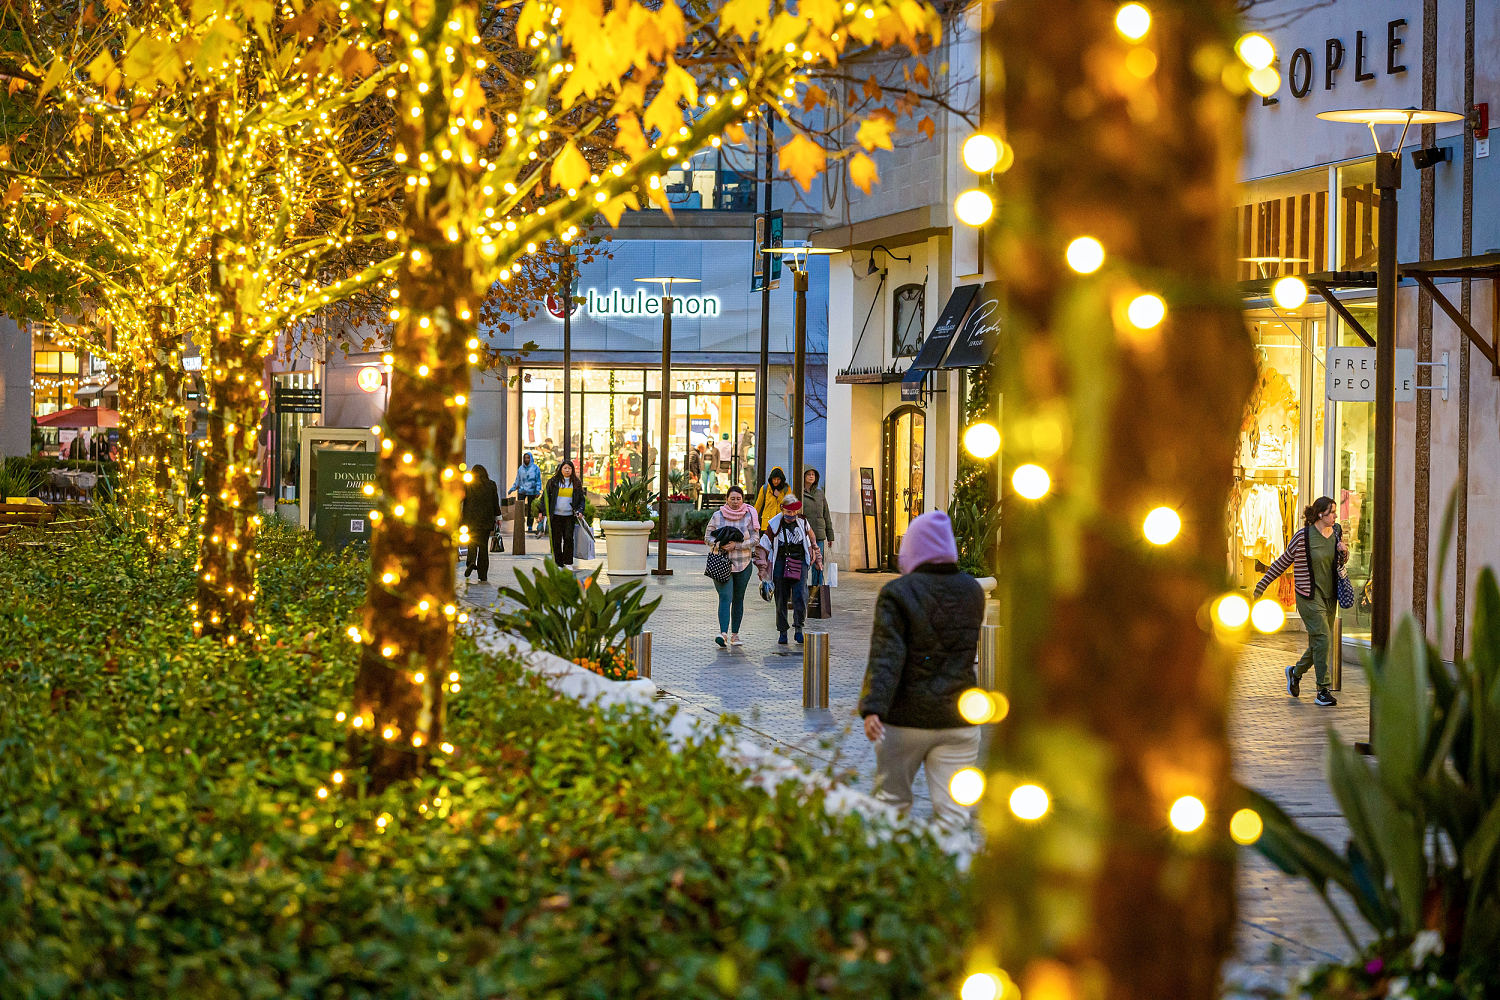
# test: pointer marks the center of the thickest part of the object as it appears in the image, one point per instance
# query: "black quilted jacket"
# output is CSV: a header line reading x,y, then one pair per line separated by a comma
x,y
922,648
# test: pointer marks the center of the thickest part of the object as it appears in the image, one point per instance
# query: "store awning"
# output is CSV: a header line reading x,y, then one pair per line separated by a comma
x,y
980,333
81,416
112,389
930,357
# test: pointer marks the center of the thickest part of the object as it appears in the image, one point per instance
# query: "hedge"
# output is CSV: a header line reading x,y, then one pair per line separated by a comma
x,y
160,832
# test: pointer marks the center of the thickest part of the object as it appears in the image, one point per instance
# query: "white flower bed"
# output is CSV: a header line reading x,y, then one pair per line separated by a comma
x,y
764,767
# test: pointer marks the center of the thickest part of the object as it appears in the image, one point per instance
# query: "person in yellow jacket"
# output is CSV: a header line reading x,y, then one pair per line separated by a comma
x,y
768,500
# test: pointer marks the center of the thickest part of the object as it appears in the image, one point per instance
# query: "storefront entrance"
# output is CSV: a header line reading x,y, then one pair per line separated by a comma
x,y
904,473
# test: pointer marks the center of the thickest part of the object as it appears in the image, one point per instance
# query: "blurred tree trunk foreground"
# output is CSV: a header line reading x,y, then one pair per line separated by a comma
x,y
1121,688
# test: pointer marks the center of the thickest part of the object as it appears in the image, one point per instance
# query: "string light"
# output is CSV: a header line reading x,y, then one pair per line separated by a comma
x,y
1031,481
1255,51
1289,292
1267,616
1246,826
1187,814
1161,525
982,440
966,786
1029,802
1146,311
974,207
1133,21
1085,255
1232,611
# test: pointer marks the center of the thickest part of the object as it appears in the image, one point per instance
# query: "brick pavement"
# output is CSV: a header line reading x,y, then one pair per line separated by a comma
x,y
1279,742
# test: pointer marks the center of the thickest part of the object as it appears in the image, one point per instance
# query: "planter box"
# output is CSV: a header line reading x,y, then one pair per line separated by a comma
x,y
625,551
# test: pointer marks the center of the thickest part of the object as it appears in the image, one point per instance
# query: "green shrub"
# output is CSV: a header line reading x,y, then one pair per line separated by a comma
x,y
161,836
630,500
1422,864
577,619
690,524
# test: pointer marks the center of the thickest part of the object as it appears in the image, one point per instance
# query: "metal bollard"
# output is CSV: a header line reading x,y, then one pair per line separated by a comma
x,y
815,670
640,653
988,674
1336,655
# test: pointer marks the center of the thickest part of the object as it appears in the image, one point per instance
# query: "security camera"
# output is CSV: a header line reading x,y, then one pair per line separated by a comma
x,y
1431,157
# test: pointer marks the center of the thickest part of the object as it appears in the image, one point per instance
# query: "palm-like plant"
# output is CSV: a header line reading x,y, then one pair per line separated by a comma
x,y
630,500
578,620
1422,864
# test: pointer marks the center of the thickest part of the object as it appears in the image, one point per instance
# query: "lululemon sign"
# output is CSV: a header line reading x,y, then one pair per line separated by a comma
x,y
617,304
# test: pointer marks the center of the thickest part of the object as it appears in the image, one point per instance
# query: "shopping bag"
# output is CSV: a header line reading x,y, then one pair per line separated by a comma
x,y
831,575
820,602
583,542
496,543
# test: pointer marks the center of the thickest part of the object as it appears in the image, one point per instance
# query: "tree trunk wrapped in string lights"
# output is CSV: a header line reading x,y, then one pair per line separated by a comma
x,y
410,612
1110,871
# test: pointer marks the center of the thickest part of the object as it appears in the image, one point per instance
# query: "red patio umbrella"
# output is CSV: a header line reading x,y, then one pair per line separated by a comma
x,y
81,416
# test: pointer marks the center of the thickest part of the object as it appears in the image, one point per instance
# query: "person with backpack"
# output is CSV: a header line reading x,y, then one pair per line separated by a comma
x,y
734,530
528,485
480,508
1316,557
791,553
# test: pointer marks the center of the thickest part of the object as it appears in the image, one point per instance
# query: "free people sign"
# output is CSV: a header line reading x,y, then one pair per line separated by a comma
x,y
1351,374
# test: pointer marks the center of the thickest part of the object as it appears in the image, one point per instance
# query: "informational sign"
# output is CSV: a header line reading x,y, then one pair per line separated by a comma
x,y
1351,374
299,400
870,511
341,512
867,493
767,237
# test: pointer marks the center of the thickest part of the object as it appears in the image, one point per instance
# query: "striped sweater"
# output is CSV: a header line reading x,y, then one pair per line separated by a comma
x,y
1295,558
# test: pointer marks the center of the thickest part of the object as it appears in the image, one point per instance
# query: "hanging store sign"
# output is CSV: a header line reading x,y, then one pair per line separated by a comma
x,y
1351,375
298,399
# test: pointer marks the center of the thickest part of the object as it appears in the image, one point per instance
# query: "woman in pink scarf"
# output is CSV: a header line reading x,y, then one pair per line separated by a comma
x,y
735,515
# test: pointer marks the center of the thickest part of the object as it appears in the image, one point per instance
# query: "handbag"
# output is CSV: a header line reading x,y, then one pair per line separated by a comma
x,y
496,544
1344,589
717,567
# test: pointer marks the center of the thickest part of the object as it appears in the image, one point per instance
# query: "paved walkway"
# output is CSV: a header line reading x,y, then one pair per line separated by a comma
x,y
1279,742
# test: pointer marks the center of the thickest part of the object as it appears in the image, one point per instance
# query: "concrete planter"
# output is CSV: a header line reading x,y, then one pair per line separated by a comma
x,y
625,549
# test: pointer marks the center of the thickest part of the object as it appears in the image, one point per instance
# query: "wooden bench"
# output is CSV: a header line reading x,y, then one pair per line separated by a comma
x,y
15,517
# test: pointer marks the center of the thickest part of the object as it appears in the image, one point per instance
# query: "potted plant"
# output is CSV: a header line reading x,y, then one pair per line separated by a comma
x,y
679,501
579,620
627,522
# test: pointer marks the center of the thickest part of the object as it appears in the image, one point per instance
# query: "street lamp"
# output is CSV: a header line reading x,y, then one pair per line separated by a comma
x,y
799,257
1388,181
666,416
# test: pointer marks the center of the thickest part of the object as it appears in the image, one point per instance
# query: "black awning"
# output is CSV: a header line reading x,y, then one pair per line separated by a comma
x,y
949,321
980,334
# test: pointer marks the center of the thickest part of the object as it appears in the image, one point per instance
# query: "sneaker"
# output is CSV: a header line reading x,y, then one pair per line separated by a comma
x,y
798,635
1293,682
781,639
723,643
1325,698
734,640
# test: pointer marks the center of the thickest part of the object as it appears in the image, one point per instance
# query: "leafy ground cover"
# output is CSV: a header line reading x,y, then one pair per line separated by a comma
x,y
161,831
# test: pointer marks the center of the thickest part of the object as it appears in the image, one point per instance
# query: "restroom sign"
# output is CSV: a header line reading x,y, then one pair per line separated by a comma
x,y
1351,374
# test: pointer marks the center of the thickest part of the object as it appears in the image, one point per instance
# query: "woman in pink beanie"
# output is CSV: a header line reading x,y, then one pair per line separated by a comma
x,y
922,652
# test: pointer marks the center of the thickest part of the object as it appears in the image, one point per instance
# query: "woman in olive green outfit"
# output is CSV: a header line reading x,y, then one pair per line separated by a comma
x,y
1316,555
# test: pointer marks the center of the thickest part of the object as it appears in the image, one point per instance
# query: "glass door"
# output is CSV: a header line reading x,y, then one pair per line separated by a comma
x,y
904,475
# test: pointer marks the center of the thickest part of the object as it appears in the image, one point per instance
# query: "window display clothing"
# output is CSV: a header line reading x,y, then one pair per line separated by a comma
x,y
1262,535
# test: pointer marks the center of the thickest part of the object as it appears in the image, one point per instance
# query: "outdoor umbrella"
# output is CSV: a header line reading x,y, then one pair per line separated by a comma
x,y
81,416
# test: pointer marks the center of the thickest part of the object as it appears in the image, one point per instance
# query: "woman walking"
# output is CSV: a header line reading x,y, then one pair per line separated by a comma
x,y
791,554
735,531
922,652
768,500
480,508
565,497
1316,556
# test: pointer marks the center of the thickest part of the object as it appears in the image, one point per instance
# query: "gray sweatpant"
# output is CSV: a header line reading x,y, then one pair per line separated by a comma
x,y
945,752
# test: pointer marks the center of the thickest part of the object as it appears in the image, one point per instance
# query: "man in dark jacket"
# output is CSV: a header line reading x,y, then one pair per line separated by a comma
x,y
480,508
921,659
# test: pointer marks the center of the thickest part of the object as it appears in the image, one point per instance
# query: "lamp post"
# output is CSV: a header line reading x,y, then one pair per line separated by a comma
x,y
799,257
666,417
1388,182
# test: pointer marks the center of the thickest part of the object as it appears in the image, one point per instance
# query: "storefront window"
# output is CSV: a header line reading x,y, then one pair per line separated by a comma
x,y
616,424
1359,216
1282,225
1353,468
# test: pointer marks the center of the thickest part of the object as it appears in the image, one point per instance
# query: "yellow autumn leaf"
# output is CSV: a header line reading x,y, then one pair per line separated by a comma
x,y
875,132
822,14
735,133
863,172
14,193
629,138
613,209
743,17
533,19
4,156
803,159
102,67
569,169
55,74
